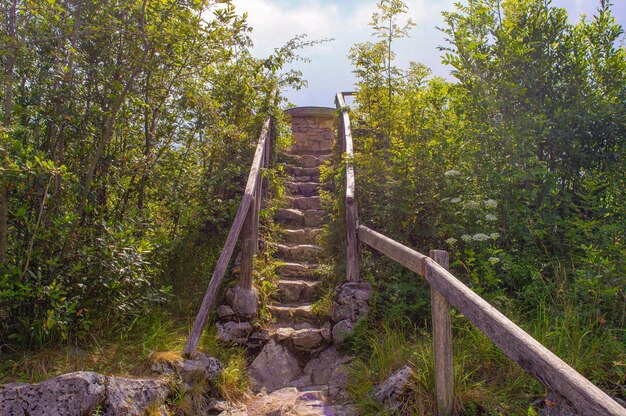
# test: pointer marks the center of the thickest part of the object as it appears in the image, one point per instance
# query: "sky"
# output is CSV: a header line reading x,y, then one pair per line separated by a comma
x,y
274,22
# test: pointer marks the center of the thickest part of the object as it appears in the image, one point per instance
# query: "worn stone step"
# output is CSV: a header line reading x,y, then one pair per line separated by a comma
x,y
303,188
309,160
290,217
293,313
298,218
313,174
314,217
306,235
315,147
305,202
299,252
297,290
297,270
302,336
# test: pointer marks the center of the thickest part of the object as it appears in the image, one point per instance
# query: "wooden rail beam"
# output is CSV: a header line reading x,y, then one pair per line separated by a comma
x,y
218,275
250,239
533,357
410,259
246,213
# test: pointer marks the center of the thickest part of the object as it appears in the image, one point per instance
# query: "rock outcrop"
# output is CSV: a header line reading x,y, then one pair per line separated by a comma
x,y
83,393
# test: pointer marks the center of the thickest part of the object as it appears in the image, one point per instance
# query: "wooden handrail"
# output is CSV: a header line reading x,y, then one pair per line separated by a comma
x,y
247,214
531,355
352,217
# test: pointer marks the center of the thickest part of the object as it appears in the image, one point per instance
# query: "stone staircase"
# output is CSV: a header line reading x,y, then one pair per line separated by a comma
x,y
299,367
300,342
302,219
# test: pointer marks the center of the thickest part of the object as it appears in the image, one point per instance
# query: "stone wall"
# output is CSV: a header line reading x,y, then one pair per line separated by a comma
x,y
312,129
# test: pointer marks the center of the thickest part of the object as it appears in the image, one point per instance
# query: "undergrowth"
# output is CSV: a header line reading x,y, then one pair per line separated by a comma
x,y
486,382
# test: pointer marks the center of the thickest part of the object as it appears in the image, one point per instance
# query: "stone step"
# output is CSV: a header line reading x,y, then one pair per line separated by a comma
x,y
299,252
297,270
315,148
299,172
306,235
301,336
297,290
308,160
290,217
293,313
314,217
305,202
296,217
303,188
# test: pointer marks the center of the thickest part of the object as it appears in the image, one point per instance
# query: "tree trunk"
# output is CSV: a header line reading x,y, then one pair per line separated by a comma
x,y
8,108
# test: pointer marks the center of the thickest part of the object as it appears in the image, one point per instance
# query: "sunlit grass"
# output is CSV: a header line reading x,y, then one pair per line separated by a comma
x,y
486,382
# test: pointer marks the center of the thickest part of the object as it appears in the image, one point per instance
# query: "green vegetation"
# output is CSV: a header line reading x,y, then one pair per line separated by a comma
x,y
127,135
517,169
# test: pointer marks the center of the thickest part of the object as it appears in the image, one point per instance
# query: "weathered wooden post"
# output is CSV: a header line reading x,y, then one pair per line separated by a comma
x,y
250,237
352,219
442,342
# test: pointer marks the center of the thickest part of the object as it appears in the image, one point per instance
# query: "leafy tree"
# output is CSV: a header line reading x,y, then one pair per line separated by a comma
x,y
127,133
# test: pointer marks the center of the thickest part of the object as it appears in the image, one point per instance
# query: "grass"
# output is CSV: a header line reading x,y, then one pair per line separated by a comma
x,y
486,381
122,353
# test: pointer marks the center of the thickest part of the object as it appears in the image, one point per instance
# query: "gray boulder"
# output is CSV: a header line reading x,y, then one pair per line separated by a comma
x,y
10,402
341,331
338,383
69,394
225,312
128,396
351,301
274,367
200,368
235,332
319,370
243,302
389,391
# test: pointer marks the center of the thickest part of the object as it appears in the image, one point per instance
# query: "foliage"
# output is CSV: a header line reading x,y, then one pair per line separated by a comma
x,y
127,133
516,168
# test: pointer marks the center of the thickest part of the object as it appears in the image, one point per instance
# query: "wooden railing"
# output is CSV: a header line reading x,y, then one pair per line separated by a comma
x,y
352,217
246,219
447,290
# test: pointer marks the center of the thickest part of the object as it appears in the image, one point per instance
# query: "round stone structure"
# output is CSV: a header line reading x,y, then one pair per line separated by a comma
x,y
312,129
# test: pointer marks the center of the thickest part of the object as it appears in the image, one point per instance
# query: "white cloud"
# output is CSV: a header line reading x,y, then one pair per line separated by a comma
x,y
274,24
277,21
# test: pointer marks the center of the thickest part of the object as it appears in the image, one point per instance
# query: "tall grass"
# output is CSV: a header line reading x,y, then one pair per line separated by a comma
x,y
486,382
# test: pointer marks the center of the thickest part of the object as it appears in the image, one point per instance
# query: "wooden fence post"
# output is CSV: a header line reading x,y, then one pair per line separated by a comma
x,y
442,343
250,237
352,217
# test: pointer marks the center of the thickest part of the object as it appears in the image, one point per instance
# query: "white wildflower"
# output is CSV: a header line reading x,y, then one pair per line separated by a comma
x,y
455,200
490,217
494,236
471,205
494,260
480,237
452,173
466,237
451,240
491,203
